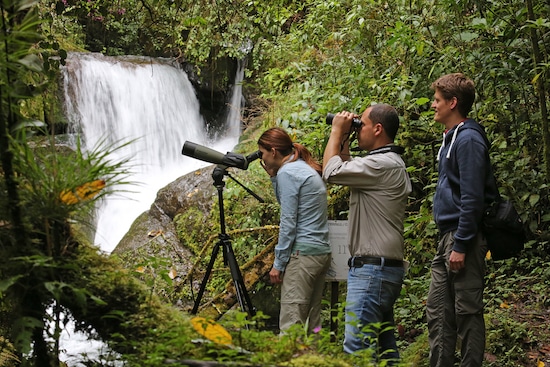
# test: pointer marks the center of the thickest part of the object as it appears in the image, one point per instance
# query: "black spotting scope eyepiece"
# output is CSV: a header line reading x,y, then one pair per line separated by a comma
x,y
253,156
212,156
355,123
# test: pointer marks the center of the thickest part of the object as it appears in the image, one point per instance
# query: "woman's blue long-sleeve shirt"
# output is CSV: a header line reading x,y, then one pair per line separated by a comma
x,y
303,225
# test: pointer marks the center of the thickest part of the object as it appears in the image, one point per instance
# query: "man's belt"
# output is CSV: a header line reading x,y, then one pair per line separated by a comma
x,y
359,261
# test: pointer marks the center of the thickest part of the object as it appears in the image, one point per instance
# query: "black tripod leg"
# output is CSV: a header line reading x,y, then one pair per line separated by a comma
x,y
240,288
228,255
206,276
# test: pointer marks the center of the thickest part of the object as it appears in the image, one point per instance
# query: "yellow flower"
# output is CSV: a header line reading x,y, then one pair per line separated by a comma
x,y
82,192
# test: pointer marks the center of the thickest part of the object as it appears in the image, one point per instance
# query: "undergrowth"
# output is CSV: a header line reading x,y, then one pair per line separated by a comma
x,y
517,315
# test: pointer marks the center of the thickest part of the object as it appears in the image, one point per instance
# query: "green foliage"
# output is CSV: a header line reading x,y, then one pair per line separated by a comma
x,y
307,59
99,26
506,338
349,55
242,209
190,229
41,271
411,304
28,242
38,246
417,352
514,301
197,32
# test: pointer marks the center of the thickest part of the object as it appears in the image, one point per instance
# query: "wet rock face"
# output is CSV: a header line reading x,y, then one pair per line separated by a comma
x,y
194,190
175,229
155,235
213,87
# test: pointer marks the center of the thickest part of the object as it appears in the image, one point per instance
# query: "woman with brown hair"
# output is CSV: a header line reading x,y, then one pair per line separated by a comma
x,y
303,253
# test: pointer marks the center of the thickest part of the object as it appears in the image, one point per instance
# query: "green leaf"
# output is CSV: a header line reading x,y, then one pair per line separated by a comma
x,y
26,4
467,36
55,288
98,301
29,123
422,100
5,284
534,199
32,62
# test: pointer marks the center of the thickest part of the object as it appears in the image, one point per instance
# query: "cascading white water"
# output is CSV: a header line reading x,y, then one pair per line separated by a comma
x,y
235,105
151,101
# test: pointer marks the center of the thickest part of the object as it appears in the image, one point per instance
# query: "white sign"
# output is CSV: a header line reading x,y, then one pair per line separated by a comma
x,y
338,238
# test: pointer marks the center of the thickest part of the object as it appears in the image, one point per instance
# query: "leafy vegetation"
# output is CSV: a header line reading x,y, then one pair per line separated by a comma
x,y
304,59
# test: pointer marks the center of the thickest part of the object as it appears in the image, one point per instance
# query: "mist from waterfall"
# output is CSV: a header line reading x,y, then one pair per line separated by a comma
x,y
152,103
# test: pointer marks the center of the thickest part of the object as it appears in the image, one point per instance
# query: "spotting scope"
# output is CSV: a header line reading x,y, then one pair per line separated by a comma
x,y
229,159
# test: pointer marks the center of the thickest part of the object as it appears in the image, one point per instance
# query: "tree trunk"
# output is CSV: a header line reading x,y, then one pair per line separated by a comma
x,y
541,90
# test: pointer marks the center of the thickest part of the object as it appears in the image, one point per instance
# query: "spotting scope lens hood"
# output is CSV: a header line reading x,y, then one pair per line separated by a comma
x,y
202,153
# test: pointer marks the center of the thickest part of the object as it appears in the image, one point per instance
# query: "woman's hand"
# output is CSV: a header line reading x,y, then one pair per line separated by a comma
x,y
276,276
272,172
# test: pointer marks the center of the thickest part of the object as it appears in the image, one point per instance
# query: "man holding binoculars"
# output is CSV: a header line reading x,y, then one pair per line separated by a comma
x,y
379,188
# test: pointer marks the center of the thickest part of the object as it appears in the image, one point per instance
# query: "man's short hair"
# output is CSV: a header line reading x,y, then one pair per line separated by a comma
x,y
459,86
387,116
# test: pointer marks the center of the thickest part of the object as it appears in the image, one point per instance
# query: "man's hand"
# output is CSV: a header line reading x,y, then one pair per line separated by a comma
x,y
338,141
456,261
341,123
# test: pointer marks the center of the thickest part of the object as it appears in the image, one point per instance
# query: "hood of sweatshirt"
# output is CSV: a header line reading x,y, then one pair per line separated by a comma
x,y
449,136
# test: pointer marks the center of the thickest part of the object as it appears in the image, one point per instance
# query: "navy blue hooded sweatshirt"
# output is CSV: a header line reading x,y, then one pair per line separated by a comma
x,y
466,184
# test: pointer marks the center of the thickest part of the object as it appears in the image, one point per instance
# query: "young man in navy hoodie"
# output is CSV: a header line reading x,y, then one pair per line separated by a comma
x,y
465,188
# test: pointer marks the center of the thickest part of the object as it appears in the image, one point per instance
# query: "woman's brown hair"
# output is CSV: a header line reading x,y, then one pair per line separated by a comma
x,y
279,139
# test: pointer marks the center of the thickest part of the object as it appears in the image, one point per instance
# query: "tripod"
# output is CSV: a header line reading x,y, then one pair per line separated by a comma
x,y
228,255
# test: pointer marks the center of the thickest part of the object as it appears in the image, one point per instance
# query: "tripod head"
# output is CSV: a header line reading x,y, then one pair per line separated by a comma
x,y
218,173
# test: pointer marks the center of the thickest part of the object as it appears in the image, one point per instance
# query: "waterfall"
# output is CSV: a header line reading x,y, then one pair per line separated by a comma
x,y
150,101
236,103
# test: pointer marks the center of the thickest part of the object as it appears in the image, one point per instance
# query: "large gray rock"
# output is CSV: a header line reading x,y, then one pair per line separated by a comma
x,y
154,232
180,208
